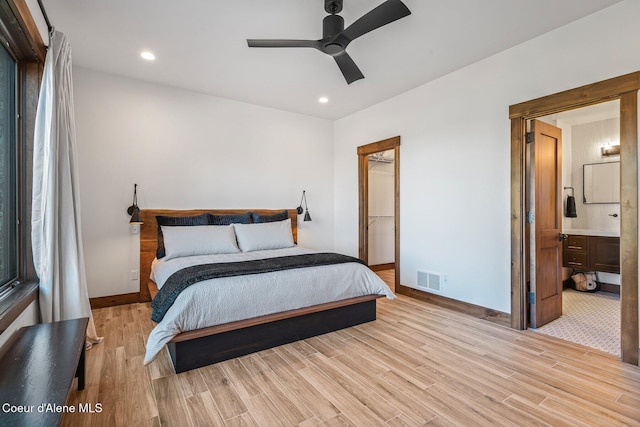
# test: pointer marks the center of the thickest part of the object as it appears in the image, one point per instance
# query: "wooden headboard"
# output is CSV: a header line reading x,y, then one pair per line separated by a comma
x,y
149,235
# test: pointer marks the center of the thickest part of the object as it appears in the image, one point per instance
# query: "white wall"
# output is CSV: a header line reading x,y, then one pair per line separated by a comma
x,y
38,18
567,175
586,143
454,154
187,151
28,317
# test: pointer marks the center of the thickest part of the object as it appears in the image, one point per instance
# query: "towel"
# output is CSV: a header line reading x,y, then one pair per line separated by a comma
x,y
571,207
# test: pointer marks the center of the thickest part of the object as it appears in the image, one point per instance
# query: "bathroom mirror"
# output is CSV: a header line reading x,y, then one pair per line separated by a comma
x,y
601,182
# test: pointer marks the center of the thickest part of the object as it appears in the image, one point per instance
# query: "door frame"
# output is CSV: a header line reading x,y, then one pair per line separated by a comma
x,y
624,88
363,198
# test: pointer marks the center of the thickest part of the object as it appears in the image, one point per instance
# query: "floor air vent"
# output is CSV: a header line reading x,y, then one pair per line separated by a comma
x,y
429,281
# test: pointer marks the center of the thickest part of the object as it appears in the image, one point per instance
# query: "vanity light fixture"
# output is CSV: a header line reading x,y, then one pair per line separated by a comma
x,y
134,210
307,217
149,56
610,150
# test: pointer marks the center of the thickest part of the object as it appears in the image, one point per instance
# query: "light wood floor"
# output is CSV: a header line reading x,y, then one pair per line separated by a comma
x,y
389,277
417,364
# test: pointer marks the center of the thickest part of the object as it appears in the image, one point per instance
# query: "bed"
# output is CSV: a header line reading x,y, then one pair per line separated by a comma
x,y
225,317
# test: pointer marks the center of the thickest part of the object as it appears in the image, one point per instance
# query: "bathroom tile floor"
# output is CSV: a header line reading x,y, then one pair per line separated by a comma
x,y
591,319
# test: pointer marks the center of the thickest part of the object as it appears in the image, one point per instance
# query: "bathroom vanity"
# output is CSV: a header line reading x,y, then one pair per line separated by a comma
x,y
592,252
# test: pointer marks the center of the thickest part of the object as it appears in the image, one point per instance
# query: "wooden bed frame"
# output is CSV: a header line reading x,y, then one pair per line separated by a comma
x,y
194,349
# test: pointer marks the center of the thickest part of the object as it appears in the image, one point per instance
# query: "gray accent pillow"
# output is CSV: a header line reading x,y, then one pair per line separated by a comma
x,y
280,216
244,218
174,221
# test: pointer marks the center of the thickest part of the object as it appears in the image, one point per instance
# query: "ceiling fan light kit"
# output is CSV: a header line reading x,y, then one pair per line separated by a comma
x,y
335,38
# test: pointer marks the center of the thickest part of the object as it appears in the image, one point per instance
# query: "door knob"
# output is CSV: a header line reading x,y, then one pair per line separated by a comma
x,y
562,237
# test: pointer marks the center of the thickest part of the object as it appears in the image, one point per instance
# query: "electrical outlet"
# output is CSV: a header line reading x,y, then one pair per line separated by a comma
x,y
445,279
134,274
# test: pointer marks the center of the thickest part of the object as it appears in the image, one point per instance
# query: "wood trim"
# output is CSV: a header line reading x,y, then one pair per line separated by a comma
x,y
113,300
240,324
518,276
29,28
608,287
376,147
382,267
480,312
363,190
363,207
624,88
396,224
629,226
149,236
582,96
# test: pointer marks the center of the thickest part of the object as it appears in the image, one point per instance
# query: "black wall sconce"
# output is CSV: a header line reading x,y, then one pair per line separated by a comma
x,y
307,217
134,210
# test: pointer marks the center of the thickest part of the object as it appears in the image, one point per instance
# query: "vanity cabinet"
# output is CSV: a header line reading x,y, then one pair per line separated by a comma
x,y
597,253
605,253
575,252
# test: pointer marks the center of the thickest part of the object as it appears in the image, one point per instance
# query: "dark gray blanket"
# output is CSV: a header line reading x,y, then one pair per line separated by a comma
x,y
182,279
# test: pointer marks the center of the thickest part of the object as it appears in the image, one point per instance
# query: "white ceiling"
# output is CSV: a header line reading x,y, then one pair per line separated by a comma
x,y
200,44
590,114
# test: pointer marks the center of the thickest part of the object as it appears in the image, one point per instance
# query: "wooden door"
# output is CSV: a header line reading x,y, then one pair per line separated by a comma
x,y
547,223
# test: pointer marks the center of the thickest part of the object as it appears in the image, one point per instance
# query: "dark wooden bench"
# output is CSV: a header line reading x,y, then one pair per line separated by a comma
x,y
37,367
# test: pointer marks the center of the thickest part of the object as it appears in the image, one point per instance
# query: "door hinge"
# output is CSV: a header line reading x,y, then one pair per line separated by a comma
x,y
530,217
532,298
529,137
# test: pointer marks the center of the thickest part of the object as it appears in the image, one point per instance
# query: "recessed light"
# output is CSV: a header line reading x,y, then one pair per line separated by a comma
x,y
147,55
323,100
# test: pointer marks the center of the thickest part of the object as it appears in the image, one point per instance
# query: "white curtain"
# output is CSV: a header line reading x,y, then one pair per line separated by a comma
x,y
55,225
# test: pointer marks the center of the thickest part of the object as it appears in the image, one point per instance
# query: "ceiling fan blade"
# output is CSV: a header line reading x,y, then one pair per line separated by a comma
x,y
282,43
386,13
349,68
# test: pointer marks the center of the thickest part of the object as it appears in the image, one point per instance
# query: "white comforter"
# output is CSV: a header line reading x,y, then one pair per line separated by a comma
x,y
218,301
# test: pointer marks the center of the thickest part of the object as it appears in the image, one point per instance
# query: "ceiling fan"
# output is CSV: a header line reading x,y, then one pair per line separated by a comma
x,y
336,38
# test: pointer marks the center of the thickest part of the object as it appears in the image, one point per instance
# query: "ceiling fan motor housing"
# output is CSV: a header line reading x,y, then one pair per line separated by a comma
x,y
332,25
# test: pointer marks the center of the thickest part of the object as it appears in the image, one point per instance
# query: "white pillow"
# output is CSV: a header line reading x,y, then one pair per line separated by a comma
x,y
198,240
266,235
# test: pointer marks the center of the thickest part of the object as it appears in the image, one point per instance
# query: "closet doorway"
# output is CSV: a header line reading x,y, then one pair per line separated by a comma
x,y
379,205
625,88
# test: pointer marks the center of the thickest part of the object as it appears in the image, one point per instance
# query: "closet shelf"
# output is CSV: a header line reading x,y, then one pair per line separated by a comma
x,y
376,217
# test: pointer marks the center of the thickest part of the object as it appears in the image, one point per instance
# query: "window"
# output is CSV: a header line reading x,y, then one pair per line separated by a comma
x,y
22,54
8,172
